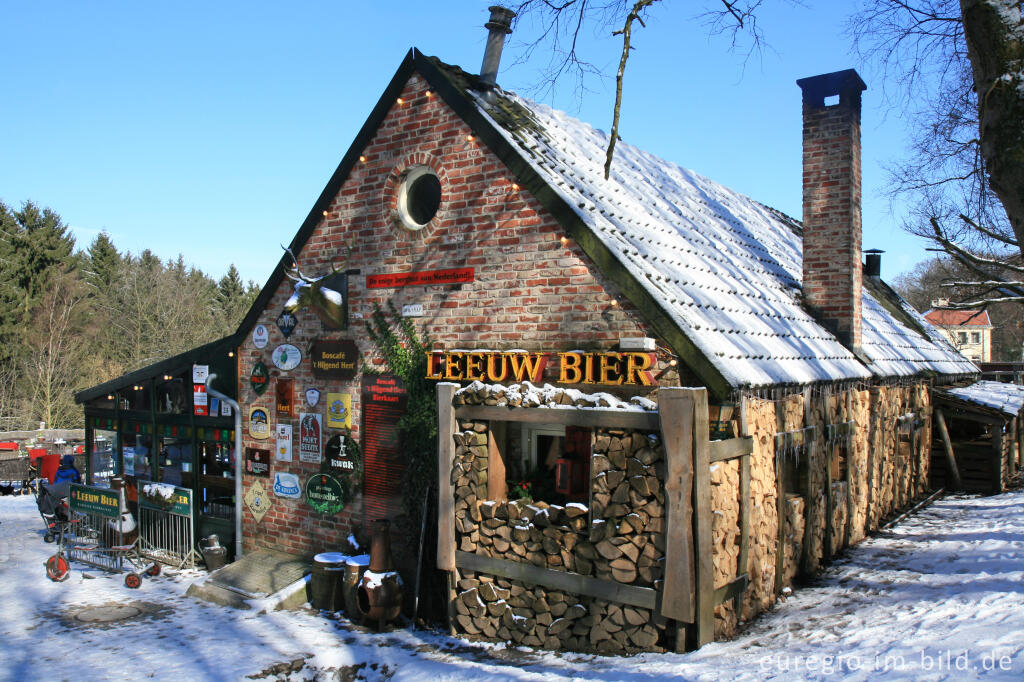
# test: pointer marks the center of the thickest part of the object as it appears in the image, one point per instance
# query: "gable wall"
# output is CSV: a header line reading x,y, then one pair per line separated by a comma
x,y
530,290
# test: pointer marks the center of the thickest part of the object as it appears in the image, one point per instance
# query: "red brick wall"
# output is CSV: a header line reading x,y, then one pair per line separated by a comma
x,y
531,290
832,212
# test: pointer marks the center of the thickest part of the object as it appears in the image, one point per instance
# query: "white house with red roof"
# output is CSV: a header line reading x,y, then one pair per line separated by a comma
x,y
969,330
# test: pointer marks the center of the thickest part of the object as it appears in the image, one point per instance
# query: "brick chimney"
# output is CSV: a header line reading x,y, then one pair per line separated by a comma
x,y
832,222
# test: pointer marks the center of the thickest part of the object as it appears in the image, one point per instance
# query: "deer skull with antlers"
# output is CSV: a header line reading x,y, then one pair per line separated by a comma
x,y
324,294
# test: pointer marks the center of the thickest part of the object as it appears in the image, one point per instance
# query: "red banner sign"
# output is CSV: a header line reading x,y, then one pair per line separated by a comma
x,y
408,279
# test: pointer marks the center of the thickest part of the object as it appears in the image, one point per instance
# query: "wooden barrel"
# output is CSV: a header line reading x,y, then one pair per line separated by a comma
x,y
325,583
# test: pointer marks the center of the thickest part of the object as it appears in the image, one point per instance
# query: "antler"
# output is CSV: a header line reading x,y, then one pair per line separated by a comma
x,y
295,267
348,256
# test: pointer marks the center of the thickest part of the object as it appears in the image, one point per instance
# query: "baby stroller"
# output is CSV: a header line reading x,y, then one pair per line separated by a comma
x,y
52,501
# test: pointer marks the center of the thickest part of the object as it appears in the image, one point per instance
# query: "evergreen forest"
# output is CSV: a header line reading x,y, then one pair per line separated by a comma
x,y
71,319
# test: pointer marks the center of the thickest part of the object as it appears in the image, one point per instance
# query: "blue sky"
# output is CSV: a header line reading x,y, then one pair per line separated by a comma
x,y
209,129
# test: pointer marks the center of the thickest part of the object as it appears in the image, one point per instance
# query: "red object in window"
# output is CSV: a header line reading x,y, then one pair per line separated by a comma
x,y
8,446
563,476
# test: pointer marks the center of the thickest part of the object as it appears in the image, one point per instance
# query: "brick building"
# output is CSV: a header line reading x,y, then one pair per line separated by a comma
x,y
487,220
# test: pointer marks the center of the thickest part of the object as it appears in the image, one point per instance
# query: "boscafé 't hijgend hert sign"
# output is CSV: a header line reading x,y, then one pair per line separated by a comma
x,y
604,369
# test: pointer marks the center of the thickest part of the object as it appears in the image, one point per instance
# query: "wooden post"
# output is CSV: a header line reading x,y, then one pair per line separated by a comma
x,y
446,491
826,550
807,565
497,487
780,498
874,443
947,447
851,503
1012,450
997,457
705,592
1020,441
675,409
745,504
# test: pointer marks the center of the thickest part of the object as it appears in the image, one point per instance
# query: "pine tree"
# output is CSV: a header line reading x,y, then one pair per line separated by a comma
x,y
102,262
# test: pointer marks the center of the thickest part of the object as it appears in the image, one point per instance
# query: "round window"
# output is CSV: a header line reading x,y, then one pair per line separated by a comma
x,y
419,197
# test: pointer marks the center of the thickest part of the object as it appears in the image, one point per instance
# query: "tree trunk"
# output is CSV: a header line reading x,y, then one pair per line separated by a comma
x,y
995,46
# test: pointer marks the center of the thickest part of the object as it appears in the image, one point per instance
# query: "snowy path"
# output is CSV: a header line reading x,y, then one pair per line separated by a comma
x,y
941,596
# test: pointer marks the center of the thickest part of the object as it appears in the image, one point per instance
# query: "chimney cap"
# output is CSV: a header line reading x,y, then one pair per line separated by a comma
x,y
501,19
828,84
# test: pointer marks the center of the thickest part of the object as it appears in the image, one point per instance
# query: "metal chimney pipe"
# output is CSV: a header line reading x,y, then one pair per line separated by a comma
x,y
873,263
499,26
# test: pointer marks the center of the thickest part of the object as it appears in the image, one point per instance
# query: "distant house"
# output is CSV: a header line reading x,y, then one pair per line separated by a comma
x,y
970,331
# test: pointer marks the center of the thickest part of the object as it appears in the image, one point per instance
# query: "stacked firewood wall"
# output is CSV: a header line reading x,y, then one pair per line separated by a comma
x,y
619,538
883,481
725,536
898,473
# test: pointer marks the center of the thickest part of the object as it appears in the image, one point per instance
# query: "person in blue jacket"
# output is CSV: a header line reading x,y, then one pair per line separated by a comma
x,y
67,471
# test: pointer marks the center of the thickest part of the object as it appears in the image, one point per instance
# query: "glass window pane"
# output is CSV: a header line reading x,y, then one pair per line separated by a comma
x,y
103,459
137,455
216,478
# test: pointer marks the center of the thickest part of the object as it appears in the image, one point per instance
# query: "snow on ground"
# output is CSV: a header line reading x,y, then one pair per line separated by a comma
x,y
940,596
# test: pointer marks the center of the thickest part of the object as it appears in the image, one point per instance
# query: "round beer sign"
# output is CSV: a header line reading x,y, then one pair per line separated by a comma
x,y
325,494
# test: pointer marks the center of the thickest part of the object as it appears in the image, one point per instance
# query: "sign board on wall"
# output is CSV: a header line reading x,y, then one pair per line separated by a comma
x,y
260,336
284,442
257,500
287,322
257,462
260,378
341,458
286,357
310,437
339,411
259,423
383,404
426,278
334,359
200,401
200,373
605,369
325,494
287,485
285,391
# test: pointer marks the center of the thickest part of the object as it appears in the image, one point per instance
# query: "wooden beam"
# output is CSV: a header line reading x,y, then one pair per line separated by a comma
x,y
445,489
1013,446
807,566
497,486
574,583
592,417
675,409
742,561
851,502
723,450
790,439
780,498
874,443
733,589
705,592
947,447
997,458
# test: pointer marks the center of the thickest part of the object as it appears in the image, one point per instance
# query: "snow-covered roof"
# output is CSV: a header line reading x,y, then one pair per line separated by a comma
x,y
1007,398
905,348
726,269
958,318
